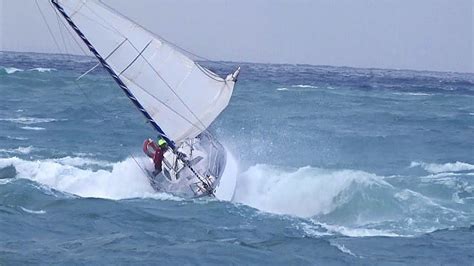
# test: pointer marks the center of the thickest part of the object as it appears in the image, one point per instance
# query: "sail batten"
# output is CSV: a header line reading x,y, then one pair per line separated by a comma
x,y
181,96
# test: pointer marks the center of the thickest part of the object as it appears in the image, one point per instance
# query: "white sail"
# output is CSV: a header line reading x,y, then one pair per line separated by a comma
x,y
182,97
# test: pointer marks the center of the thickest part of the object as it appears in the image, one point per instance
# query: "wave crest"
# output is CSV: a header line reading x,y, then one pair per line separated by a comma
x,y
443,168
124,180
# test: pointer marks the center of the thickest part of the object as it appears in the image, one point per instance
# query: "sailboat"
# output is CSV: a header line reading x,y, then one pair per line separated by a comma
x,y
177,96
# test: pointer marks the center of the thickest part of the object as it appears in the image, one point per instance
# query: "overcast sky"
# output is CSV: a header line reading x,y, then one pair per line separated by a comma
x,y
401,34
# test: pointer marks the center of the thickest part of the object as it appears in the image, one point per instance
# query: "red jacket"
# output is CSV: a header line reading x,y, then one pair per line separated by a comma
x,y
155,152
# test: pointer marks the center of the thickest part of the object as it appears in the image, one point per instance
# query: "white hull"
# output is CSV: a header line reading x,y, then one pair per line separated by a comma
x,y
203,173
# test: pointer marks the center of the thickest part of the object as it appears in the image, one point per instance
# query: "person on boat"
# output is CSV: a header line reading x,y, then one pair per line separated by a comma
x,y
156,151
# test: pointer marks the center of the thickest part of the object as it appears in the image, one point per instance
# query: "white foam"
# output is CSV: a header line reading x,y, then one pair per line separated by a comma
x,y
413,93
5,181
305,86
342,248
17,138
81,161
282,89
304,192
29,120
357,232
421,201
33,128
43,69
19,150
125,180
11,70
32,211
441,168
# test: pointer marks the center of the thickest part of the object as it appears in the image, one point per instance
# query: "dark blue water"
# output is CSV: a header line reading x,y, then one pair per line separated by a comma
x,y
336,166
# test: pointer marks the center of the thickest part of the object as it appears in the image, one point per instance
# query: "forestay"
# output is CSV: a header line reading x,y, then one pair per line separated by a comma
x,y
179,94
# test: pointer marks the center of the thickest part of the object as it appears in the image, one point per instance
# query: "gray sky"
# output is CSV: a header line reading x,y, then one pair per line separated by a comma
x,y
407,34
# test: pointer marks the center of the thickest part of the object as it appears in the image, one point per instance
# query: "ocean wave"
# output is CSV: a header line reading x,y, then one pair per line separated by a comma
x,y
358,232
33,128
42,69
19,150
32,211
5,181
81,162
30,120
17,138
305,86
281,191
125,180
342,248
300,86
443,168
318,229
422,200
13,70
413,93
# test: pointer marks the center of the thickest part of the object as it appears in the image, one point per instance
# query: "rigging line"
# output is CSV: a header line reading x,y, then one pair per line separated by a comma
x,y
138,164
205,130
169,86
47,25
98,64
110,26
209,73
107,27
65,58
135,59
62,36
73,37
52,35
163,103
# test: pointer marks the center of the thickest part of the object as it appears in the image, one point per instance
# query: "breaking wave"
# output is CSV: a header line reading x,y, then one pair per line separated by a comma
x,y
347,202
33,128
43,69
412,94
32,211
13,70
124,180
19,150
304,192
442,168
30,120
300,87
305,86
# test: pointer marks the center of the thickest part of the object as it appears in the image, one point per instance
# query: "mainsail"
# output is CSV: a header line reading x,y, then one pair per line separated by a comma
x,y
170,89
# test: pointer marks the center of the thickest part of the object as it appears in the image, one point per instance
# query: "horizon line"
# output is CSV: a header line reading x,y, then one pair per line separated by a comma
x,y
264,63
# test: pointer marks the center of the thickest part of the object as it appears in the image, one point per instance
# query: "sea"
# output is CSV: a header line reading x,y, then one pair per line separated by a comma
x,y
334,165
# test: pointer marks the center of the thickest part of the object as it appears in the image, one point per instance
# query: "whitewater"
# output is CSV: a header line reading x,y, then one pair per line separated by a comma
x,y
335,165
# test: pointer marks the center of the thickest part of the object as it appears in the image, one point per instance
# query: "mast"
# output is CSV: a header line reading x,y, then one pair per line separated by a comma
x,y
112,73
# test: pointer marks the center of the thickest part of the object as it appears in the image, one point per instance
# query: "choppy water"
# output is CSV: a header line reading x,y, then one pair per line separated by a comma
x,y
336,166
